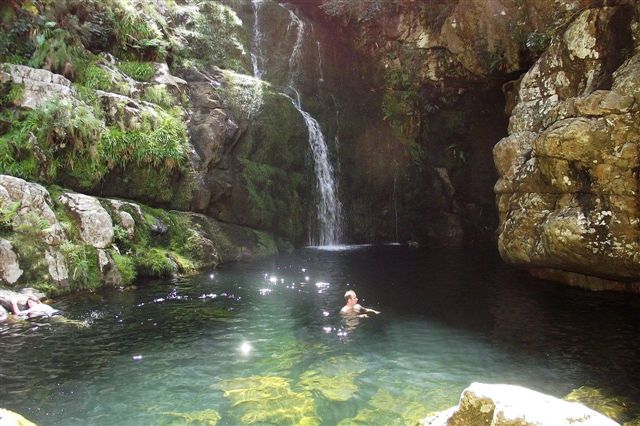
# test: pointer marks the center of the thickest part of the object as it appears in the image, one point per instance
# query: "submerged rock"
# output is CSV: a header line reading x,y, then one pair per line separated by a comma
x,y
506,405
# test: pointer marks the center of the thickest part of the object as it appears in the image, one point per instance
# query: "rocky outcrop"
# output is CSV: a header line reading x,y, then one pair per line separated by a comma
x,y
9,268
568,187
106,241
506,405
40,86
96,227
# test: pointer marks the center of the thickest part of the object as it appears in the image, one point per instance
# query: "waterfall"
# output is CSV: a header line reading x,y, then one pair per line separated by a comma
x,y
329,208
256,55
320,63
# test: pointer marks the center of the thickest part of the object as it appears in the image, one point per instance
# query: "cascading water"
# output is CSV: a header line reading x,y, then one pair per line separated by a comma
x,y
256,55
329,208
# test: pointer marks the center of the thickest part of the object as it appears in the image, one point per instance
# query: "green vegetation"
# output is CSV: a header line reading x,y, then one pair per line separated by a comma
x,y
160,96
141,71
96,77
82,264
13,95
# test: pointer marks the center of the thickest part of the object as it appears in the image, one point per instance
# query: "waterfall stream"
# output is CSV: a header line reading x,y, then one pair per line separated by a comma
x,y
256,55
329,208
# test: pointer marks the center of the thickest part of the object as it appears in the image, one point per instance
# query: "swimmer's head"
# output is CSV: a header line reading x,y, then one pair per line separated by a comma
x,y
32,301
350,295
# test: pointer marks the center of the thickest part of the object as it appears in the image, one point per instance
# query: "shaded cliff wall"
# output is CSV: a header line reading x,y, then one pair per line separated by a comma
x,y
437,70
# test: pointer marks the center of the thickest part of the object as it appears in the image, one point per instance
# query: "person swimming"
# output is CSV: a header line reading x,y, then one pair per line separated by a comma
x,y
35,308
352,308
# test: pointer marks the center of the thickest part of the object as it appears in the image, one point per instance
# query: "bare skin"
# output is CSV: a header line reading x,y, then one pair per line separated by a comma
x,y
352,308
35,308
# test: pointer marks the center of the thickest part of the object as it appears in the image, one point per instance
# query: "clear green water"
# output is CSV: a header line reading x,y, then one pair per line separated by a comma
x,y
172,352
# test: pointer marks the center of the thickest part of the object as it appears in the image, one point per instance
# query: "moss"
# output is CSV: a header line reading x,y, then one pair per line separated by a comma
x,y
266,244
126,266
154,262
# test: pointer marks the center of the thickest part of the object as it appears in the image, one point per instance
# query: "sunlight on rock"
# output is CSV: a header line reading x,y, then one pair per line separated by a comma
x,y
204,417
385,408
269,399
333,378
611,406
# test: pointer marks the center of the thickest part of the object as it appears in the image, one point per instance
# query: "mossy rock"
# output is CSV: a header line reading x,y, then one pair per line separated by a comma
x,y
614,407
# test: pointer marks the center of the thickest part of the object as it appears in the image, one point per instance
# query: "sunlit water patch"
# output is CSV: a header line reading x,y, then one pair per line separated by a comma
x,y
263,343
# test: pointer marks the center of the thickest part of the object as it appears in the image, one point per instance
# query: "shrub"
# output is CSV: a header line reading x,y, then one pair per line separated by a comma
x,y
160,96
154,262
141,71
82,262
95,77
126,267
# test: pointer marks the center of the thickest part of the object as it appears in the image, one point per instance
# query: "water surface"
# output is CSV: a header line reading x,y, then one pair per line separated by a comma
x,y
263,343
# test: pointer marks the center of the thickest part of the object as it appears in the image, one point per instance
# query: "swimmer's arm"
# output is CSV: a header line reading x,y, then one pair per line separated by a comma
x,y
370,311
14,307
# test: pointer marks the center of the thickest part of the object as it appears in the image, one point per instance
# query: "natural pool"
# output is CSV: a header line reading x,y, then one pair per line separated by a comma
x,y
262,343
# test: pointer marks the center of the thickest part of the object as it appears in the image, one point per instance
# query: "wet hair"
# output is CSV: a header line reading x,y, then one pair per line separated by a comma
x,y
349,294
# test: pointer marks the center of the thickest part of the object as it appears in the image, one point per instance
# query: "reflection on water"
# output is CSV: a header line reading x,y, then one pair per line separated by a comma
x,y
263,342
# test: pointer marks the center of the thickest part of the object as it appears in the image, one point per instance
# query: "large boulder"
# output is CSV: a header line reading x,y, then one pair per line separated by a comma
x,y
508,405
96,227
567,193
31,202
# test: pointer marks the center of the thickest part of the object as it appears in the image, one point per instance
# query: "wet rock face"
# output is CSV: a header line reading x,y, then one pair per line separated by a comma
x,y
568,188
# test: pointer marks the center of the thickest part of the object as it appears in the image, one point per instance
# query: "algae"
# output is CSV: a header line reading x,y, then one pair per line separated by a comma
x,y
611,406
333,378
389,409
204,417
269,399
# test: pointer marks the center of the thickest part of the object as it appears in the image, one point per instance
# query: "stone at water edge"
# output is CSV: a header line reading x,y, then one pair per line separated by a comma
x,y
9,418
504,405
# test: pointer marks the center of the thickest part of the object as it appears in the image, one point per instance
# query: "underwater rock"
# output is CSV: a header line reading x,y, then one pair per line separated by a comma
x,y
204,417
390,409
504,405
611,406
9,418
269,400
333,378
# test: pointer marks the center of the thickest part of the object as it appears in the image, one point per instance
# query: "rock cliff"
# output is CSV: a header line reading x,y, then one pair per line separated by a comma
x,y
568,186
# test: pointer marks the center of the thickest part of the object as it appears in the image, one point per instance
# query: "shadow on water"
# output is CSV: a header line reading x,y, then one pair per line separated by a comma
x,y
193,348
